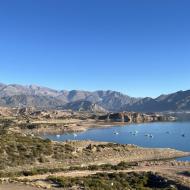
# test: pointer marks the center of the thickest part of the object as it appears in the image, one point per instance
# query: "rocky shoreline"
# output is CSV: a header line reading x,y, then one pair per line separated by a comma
x,y
33,121
135,117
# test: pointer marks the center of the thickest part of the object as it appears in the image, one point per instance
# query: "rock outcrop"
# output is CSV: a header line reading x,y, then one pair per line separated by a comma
x,y
133,117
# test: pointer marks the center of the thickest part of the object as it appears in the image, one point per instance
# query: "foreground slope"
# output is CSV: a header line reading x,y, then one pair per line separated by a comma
x,y
20,149
26,159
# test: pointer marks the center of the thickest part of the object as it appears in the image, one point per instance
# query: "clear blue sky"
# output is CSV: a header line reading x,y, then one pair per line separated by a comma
x,y
139,47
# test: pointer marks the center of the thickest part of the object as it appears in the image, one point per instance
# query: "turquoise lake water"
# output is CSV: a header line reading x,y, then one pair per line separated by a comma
x,y
158,135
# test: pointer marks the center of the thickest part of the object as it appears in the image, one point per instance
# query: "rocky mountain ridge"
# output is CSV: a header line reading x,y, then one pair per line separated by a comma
x,y
14,95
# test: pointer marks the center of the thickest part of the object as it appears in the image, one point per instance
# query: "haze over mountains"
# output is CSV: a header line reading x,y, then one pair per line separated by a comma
x,y
14,95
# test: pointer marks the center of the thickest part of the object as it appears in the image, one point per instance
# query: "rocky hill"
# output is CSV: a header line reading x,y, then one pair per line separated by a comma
x,y
14,95
179,101
82,105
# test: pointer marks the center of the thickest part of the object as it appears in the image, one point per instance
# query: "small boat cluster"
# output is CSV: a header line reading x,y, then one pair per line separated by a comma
x,y
183,135
74,135
146,135
134,133
149,135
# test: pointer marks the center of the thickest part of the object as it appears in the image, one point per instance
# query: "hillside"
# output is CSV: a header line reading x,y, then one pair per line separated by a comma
x,y
13,95
179,101
82,105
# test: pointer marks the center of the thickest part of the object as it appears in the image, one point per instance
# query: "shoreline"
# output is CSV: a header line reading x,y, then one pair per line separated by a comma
x,y
80,126
75,158
102,125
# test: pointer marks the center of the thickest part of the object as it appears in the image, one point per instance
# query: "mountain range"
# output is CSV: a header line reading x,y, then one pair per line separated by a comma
x,y
14,95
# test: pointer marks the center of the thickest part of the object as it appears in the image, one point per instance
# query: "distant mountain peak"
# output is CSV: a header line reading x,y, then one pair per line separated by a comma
x,y
33,95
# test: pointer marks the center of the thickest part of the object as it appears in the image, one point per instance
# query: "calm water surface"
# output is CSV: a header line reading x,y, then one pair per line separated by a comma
x,y
157,135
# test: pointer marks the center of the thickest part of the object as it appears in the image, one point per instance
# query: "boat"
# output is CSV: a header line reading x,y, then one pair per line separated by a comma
x,y
58,136
116,133
151,136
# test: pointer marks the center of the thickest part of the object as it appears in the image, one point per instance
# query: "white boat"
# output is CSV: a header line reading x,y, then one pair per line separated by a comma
x,y
151,136
58,136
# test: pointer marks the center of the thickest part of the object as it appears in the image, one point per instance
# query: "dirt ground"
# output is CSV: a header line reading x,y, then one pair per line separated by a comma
x,y
171,172
17,187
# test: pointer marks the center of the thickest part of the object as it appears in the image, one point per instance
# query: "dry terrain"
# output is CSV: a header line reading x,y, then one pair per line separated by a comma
x,y
28,162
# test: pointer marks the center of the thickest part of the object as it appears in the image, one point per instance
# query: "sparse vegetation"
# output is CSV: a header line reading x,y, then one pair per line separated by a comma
x,y
17,149
5,123
185,173
117,181
120,166
40,171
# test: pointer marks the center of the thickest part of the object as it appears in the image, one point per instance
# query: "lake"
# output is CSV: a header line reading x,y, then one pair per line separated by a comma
x,y
157,135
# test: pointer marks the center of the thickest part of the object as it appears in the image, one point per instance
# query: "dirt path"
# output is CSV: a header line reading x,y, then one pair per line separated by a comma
x,y
169,171
17,187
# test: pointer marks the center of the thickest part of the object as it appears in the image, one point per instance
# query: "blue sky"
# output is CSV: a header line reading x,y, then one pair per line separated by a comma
x,y
138,47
